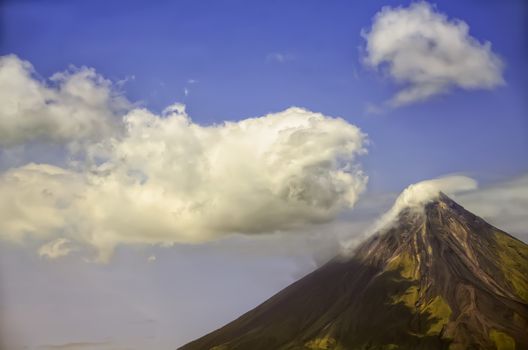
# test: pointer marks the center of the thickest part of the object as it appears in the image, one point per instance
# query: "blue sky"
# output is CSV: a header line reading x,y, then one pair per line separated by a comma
x,y
225,61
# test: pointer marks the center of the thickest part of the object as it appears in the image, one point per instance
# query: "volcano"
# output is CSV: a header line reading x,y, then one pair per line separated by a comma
x,y
436,278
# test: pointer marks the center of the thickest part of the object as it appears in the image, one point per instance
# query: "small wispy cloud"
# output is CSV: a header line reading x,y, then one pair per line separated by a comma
x,y
503,204
374,109
78,346
355,73
127,79
56,249
186,89
279,57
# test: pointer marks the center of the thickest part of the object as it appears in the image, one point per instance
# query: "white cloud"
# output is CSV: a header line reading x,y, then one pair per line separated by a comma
x,y
74,105
428,53
56,249
413,197
417,195
164,179
504,205
142,178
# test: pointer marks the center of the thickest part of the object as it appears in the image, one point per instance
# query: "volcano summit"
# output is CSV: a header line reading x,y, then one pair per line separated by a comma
x,y
436,278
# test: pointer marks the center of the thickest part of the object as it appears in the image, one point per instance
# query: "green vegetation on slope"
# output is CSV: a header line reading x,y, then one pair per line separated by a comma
x,y
440,310
514,255
325,343
405,264
436,309
502,340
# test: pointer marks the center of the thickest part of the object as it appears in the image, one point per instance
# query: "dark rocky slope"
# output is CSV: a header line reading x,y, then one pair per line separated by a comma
x,y
441,278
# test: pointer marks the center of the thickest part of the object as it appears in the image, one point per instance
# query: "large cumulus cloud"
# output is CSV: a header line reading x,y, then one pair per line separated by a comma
x,y
428,53
160,179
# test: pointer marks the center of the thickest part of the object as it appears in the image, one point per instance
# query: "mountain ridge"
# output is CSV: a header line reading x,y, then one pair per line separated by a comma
x,y
441,278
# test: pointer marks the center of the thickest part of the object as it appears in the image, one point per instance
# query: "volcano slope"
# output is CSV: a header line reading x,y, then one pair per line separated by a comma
x,y
438,278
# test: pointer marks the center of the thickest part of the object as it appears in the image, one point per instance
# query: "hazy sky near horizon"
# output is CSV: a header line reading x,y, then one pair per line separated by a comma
x,y
166,166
